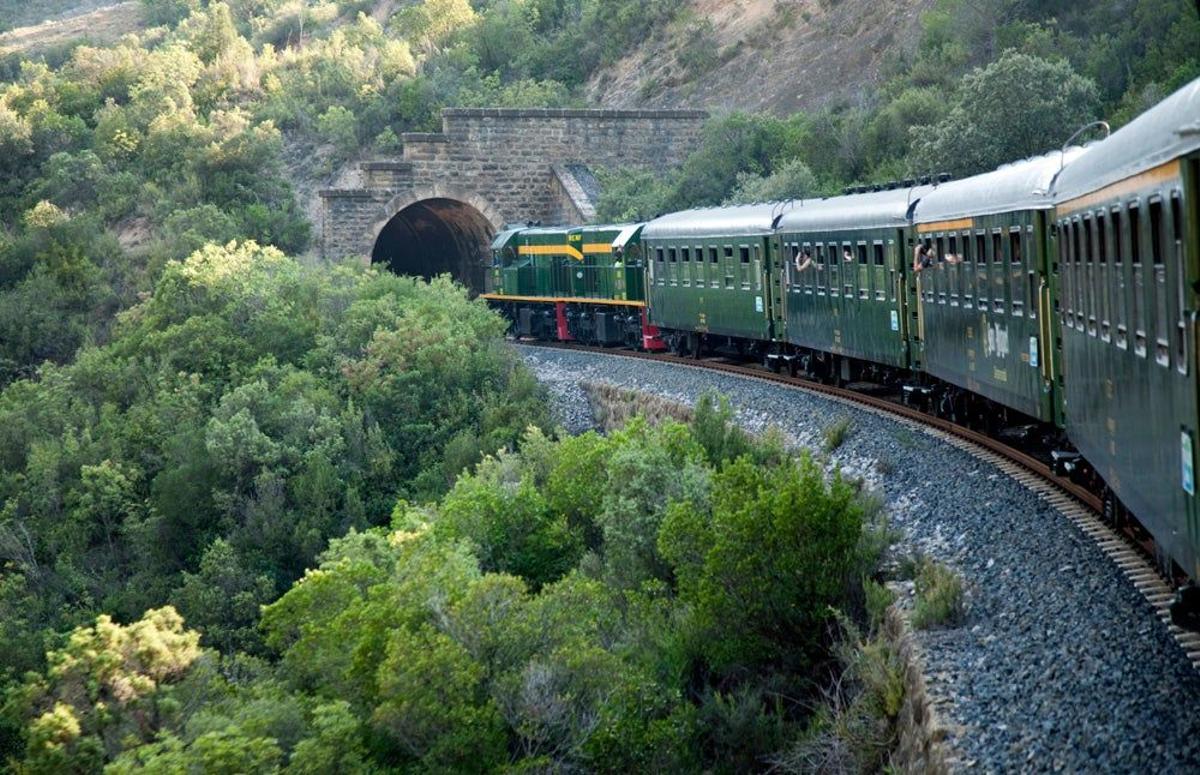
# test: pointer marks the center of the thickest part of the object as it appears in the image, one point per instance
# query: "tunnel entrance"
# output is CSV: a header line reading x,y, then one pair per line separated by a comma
x,y
437,236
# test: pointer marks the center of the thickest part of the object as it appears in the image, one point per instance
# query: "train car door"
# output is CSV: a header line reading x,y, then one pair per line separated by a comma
x,y
913,317
776,271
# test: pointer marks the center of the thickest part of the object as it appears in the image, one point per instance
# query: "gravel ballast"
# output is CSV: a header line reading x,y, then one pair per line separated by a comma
x,y
1061,664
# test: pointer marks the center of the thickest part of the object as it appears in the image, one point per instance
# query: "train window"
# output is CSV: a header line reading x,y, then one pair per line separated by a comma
x,y
1119,286
1063,243
940,250
685,254
758,267
744,254
1135,233
1180,276
1082,274
878,249
672,256
1156,227
1091,287
980,248
1118,252
1033,295
1162,351
862,252
997,247
713,256
729,266
1016,285
1102,237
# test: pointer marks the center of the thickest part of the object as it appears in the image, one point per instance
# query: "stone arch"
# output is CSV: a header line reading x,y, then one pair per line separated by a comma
x,y
434,230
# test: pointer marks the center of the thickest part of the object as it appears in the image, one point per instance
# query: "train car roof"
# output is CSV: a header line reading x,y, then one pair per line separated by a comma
x,y
1021,185
734,221
628,233
873,210
504,237
1165,132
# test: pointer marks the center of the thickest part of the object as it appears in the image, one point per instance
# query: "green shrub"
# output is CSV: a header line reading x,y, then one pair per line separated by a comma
x,y
764,602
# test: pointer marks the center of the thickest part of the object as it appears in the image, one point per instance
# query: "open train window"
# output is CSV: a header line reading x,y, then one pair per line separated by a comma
x,y
1120,301
1092,289
672,256
713,256
1139,281
1102,237
862,252
744,254
1014,245
997,247
878,250
1180,279
658,255
980,248
1162,348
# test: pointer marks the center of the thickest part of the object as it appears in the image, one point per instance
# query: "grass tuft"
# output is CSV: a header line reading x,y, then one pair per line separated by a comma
x,y
837,433
941,599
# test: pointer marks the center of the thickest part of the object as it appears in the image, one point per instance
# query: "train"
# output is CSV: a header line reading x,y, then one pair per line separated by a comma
x,y
1052,300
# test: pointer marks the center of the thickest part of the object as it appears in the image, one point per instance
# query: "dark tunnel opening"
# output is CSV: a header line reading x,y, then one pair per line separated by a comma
x,y
437,236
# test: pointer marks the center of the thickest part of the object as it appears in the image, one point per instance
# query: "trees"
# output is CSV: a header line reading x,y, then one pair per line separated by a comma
x,y
1016,107
107,684
242,415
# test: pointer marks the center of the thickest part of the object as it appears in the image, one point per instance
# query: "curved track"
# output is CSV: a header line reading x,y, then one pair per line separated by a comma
x,y
1076,503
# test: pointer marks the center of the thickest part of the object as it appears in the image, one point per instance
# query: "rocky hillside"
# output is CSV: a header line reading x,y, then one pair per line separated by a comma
x,y
778,56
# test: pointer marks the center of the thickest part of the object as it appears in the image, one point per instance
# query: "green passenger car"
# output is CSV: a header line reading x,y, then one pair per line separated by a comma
x,y
845,275
1127,218
986,324
710,276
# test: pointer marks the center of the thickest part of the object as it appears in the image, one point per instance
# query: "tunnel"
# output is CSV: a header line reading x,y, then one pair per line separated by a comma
x,y
437,236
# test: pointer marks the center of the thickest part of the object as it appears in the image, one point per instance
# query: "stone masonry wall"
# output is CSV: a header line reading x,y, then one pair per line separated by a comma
x,y
501,162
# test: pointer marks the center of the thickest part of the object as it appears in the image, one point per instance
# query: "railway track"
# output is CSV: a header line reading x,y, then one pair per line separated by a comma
x,y
1080,506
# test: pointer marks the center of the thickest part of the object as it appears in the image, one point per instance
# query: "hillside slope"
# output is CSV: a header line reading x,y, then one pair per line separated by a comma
x,y
99,23
763,55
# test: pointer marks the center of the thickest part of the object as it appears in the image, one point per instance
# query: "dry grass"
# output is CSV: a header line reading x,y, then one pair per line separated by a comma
x,y
613,407
101,26
941,597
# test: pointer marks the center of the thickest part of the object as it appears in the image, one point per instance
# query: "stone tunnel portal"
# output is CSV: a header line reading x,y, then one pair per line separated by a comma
x,y
437,236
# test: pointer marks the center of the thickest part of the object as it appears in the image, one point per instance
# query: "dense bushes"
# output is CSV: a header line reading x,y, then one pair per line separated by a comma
x,y
652,600
246,412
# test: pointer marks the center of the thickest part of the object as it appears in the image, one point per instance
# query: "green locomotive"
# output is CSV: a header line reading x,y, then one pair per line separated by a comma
x,y
583,284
